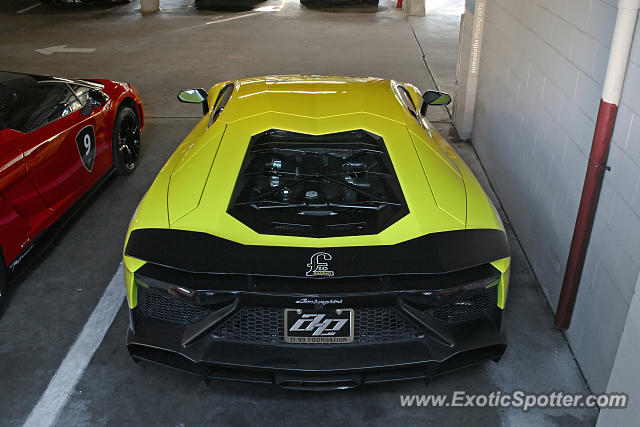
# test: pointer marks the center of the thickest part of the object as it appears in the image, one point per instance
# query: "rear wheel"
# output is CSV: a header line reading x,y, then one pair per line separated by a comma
x,y
126,141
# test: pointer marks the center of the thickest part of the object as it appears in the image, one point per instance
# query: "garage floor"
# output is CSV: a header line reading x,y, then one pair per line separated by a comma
x,y
181,47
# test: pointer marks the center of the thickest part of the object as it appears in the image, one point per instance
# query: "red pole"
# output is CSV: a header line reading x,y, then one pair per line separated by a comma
x,y
399,6
596,167
611,93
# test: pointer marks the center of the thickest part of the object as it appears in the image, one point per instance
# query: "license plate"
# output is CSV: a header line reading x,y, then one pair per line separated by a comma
x,y
318,326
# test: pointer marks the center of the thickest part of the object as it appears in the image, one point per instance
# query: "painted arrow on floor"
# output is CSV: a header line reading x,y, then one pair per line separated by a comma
x,y
64,49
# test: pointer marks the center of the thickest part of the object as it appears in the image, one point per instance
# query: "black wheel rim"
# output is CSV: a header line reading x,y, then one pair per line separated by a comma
x,y
129,140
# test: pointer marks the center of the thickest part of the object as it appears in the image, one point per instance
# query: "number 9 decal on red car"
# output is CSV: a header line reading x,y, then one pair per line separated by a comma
x,y
86,142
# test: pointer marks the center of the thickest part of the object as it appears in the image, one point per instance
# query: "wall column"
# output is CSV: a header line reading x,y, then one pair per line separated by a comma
x,y
469,48
150,6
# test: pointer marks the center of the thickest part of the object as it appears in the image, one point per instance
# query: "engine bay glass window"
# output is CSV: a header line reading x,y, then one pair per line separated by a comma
x,y
317,185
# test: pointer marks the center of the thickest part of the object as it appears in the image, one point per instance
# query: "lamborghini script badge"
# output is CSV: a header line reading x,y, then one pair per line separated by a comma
x,y
318,265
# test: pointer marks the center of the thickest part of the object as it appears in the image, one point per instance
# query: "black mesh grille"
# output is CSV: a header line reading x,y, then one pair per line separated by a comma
x,y
261,325
382,324
158,305
471,307
265,325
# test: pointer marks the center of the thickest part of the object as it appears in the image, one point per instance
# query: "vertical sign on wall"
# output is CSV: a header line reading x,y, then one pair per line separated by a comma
x,y
469,49
476,37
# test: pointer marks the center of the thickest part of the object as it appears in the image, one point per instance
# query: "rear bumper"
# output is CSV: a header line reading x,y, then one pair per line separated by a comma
x,y
318,367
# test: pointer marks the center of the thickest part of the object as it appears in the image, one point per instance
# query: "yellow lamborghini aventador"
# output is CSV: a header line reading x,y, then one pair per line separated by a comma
x,y
315,232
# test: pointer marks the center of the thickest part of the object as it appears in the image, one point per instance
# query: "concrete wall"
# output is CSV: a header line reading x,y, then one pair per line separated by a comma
x,y
625,375
541,73
469,51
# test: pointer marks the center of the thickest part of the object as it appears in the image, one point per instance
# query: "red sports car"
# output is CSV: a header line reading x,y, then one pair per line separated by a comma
x,y
59,139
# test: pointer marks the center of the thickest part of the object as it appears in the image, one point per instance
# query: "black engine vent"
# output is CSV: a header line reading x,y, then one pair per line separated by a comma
x,y
328,185
476,305
157,304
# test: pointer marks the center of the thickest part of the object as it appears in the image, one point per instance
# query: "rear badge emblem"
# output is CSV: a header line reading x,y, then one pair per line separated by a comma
x,y
319,266
316,301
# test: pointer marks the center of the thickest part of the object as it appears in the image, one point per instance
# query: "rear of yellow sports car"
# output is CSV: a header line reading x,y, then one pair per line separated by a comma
x,y
315,232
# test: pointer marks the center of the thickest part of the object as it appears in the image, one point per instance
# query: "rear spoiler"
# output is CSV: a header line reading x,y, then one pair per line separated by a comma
x,y
435,253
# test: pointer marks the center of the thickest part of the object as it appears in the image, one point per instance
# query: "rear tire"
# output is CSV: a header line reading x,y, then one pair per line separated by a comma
x,y
126,141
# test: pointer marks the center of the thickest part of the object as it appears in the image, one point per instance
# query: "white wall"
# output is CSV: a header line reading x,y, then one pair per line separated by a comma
x,y
541,73
625,375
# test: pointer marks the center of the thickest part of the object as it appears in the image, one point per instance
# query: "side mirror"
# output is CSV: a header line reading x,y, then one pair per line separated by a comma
x,y
195,96
433,97
87,108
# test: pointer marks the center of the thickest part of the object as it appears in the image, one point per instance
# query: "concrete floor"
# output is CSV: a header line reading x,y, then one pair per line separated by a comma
x,y
179,48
